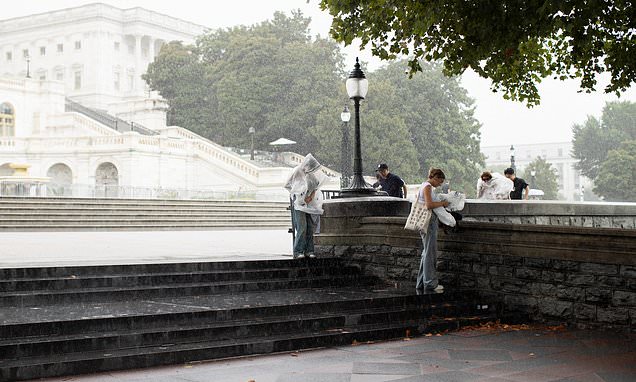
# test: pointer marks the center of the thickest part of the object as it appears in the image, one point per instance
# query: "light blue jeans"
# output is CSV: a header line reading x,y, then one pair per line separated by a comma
x,y
304,226
427,275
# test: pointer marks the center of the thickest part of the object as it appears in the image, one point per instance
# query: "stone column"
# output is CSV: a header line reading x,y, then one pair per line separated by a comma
x,y
151,50
138,65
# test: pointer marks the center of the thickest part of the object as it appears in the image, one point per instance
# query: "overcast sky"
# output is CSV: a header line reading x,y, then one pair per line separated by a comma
x,y
504,122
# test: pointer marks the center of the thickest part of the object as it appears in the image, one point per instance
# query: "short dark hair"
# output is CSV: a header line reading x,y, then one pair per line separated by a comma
x,y
509,171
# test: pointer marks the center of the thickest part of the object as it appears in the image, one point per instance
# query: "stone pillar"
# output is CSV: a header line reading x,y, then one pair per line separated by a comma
x,y
151,50
138,65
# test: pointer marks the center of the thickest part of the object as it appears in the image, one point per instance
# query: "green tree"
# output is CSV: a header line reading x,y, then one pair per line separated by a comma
x,y
545,178
273,76
180,77
604,148
440,120
515,44
617,174
596,137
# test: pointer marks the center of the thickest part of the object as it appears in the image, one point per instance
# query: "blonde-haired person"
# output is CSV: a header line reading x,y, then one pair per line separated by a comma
x,y
427,276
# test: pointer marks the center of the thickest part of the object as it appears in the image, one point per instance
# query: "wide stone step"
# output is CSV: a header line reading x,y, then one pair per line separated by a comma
x,y
141,218
387,318
69,282
25,202
71,214
164,268
132,226
44,297
137,208
90,362
53,344
68,320
137,212
156,314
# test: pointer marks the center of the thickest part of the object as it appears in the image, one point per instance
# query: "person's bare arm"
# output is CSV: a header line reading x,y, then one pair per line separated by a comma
x,y
404,188
527,192
310,197
428,200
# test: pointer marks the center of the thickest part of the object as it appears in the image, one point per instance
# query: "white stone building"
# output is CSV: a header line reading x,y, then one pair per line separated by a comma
x,y
570,181
85,119
98,51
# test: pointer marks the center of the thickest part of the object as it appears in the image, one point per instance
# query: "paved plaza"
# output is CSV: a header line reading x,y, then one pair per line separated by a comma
x,y
539,354
34,249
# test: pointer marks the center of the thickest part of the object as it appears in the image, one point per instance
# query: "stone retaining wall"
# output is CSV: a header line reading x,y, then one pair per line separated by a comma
x,y
554,273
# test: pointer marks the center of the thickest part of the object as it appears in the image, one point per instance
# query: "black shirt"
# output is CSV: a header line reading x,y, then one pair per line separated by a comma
x,y
519,186
393,185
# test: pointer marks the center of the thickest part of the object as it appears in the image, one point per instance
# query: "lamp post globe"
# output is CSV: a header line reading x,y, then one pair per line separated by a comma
x,y
357,86
345,155
533,173
345,116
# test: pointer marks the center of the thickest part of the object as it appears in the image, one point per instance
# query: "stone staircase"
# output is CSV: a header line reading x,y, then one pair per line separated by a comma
x,y
57,214
71,320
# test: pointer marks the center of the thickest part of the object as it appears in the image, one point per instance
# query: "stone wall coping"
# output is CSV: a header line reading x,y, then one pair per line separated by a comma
x,y
475,207
575,230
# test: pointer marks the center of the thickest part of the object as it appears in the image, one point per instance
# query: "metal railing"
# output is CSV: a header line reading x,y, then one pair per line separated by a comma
x,y
329,194
104,118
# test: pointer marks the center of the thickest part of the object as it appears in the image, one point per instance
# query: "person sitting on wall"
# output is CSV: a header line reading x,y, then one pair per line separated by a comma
x,y
391,183
519,185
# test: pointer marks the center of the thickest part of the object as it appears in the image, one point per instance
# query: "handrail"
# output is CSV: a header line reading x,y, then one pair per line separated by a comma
x,y
104,118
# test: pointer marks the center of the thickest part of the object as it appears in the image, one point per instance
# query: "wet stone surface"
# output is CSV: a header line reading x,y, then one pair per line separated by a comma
x,y
538,354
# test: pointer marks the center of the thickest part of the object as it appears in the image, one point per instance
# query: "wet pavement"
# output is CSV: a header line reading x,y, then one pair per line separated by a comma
x,y
537,354
38,249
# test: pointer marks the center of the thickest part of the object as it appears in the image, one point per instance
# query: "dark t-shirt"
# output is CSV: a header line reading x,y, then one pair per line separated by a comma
x,y
519,187
393,185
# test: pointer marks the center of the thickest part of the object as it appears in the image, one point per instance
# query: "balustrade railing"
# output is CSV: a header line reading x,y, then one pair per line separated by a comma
x,y
104,118
11,189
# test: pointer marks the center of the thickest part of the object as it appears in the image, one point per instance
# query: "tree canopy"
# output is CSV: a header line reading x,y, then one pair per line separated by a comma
x,y
603,147
615,180
275,77
513,43
545,178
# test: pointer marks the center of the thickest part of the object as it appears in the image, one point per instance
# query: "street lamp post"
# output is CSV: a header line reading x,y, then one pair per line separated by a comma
x,y
345,157
357,86
252,131
532,174
28,61
512,158
582,196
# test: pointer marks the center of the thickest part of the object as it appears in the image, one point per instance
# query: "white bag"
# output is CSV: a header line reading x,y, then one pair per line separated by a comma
x,y
455,199
419,218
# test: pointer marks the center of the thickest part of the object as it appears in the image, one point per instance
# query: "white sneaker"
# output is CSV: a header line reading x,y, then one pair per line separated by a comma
x,y
438,289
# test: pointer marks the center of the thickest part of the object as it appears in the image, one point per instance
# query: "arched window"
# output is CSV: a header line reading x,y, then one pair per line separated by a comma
x,y
106,180
61,180
7,120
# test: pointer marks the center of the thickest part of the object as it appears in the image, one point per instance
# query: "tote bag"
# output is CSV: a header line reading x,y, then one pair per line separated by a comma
x,y
419,218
